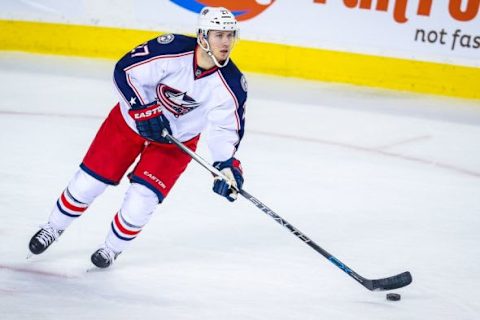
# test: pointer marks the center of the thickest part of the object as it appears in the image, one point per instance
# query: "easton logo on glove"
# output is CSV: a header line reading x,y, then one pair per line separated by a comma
x,y
150,121
147,113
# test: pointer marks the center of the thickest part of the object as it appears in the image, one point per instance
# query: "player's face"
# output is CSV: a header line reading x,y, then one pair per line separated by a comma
x,y
221,43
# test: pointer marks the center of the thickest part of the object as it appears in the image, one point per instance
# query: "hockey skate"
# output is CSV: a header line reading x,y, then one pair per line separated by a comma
x,y
104,257
43,239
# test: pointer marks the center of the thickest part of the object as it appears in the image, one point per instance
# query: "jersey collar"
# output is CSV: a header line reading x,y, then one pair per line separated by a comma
x,y
199,72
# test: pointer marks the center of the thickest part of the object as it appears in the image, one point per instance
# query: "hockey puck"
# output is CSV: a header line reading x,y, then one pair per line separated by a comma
x,y
393,296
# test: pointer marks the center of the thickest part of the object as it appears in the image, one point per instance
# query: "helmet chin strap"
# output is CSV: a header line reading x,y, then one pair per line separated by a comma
x,y
210,53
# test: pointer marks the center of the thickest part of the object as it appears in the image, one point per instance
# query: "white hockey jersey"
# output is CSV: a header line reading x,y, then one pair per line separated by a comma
x,y
194,100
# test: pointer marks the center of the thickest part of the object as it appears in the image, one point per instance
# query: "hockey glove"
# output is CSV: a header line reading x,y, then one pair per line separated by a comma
x,y
232,169
150,121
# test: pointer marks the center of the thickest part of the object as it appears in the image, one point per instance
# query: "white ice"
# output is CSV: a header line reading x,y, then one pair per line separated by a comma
x,y
385,181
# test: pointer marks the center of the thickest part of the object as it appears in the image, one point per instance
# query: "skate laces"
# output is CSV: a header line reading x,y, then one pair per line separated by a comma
x,y
48,234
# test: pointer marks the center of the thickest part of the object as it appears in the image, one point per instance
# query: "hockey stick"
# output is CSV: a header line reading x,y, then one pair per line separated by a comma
x,y
390,283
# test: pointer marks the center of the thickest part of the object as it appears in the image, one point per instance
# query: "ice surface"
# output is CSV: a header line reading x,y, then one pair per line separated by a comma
x,y
386,181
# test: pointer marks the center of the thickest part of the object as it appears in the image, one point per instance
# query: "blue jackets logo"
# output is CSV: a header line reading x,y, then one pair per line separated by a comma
x,y
175,101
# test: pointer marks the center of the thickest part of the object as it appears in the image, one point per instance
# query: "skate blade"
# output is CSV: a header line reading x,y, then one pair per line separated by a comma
x,y
94,269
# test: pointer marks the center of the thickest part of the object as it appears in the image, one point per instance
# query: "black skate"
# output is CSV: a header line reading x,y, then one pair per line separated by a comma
x,y
43,239
104,257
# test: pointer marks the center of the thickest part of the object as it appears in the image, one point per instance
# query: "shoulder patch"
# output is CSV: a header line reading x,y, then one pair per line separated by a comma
x,y
165,38
243,81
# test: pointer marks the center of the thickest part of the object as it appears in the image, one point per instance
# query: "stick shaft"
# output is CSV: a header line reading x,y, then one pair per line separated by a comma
x,y
197,158
268,211
394,282
302,236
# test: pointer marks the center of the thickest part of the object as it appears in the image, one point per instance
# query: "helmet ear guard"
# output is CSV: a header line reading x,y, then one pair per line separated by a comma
x,y
219,19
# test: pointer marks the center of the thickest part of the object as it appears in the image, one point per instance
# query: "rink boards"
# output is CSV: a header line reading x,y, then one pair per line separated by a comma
x,y
255,56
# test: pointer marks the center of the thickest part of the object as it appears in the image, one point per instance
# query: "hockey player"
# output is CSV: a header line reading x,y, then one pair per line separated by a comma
x,y
177,83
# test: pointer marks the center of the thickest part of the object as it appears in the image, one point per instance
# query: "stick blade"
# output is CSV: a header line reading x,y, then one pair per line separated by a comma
x,y
398,281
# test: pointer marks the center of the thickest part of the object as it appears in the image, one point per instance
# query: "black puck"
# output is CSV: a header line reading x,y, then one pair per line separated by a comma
x,y
393,296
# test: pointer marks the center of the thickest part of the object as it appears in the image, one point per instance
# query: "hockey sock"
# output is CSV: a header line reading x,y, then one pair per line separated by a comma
x,y
136,211
121,233
75,199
